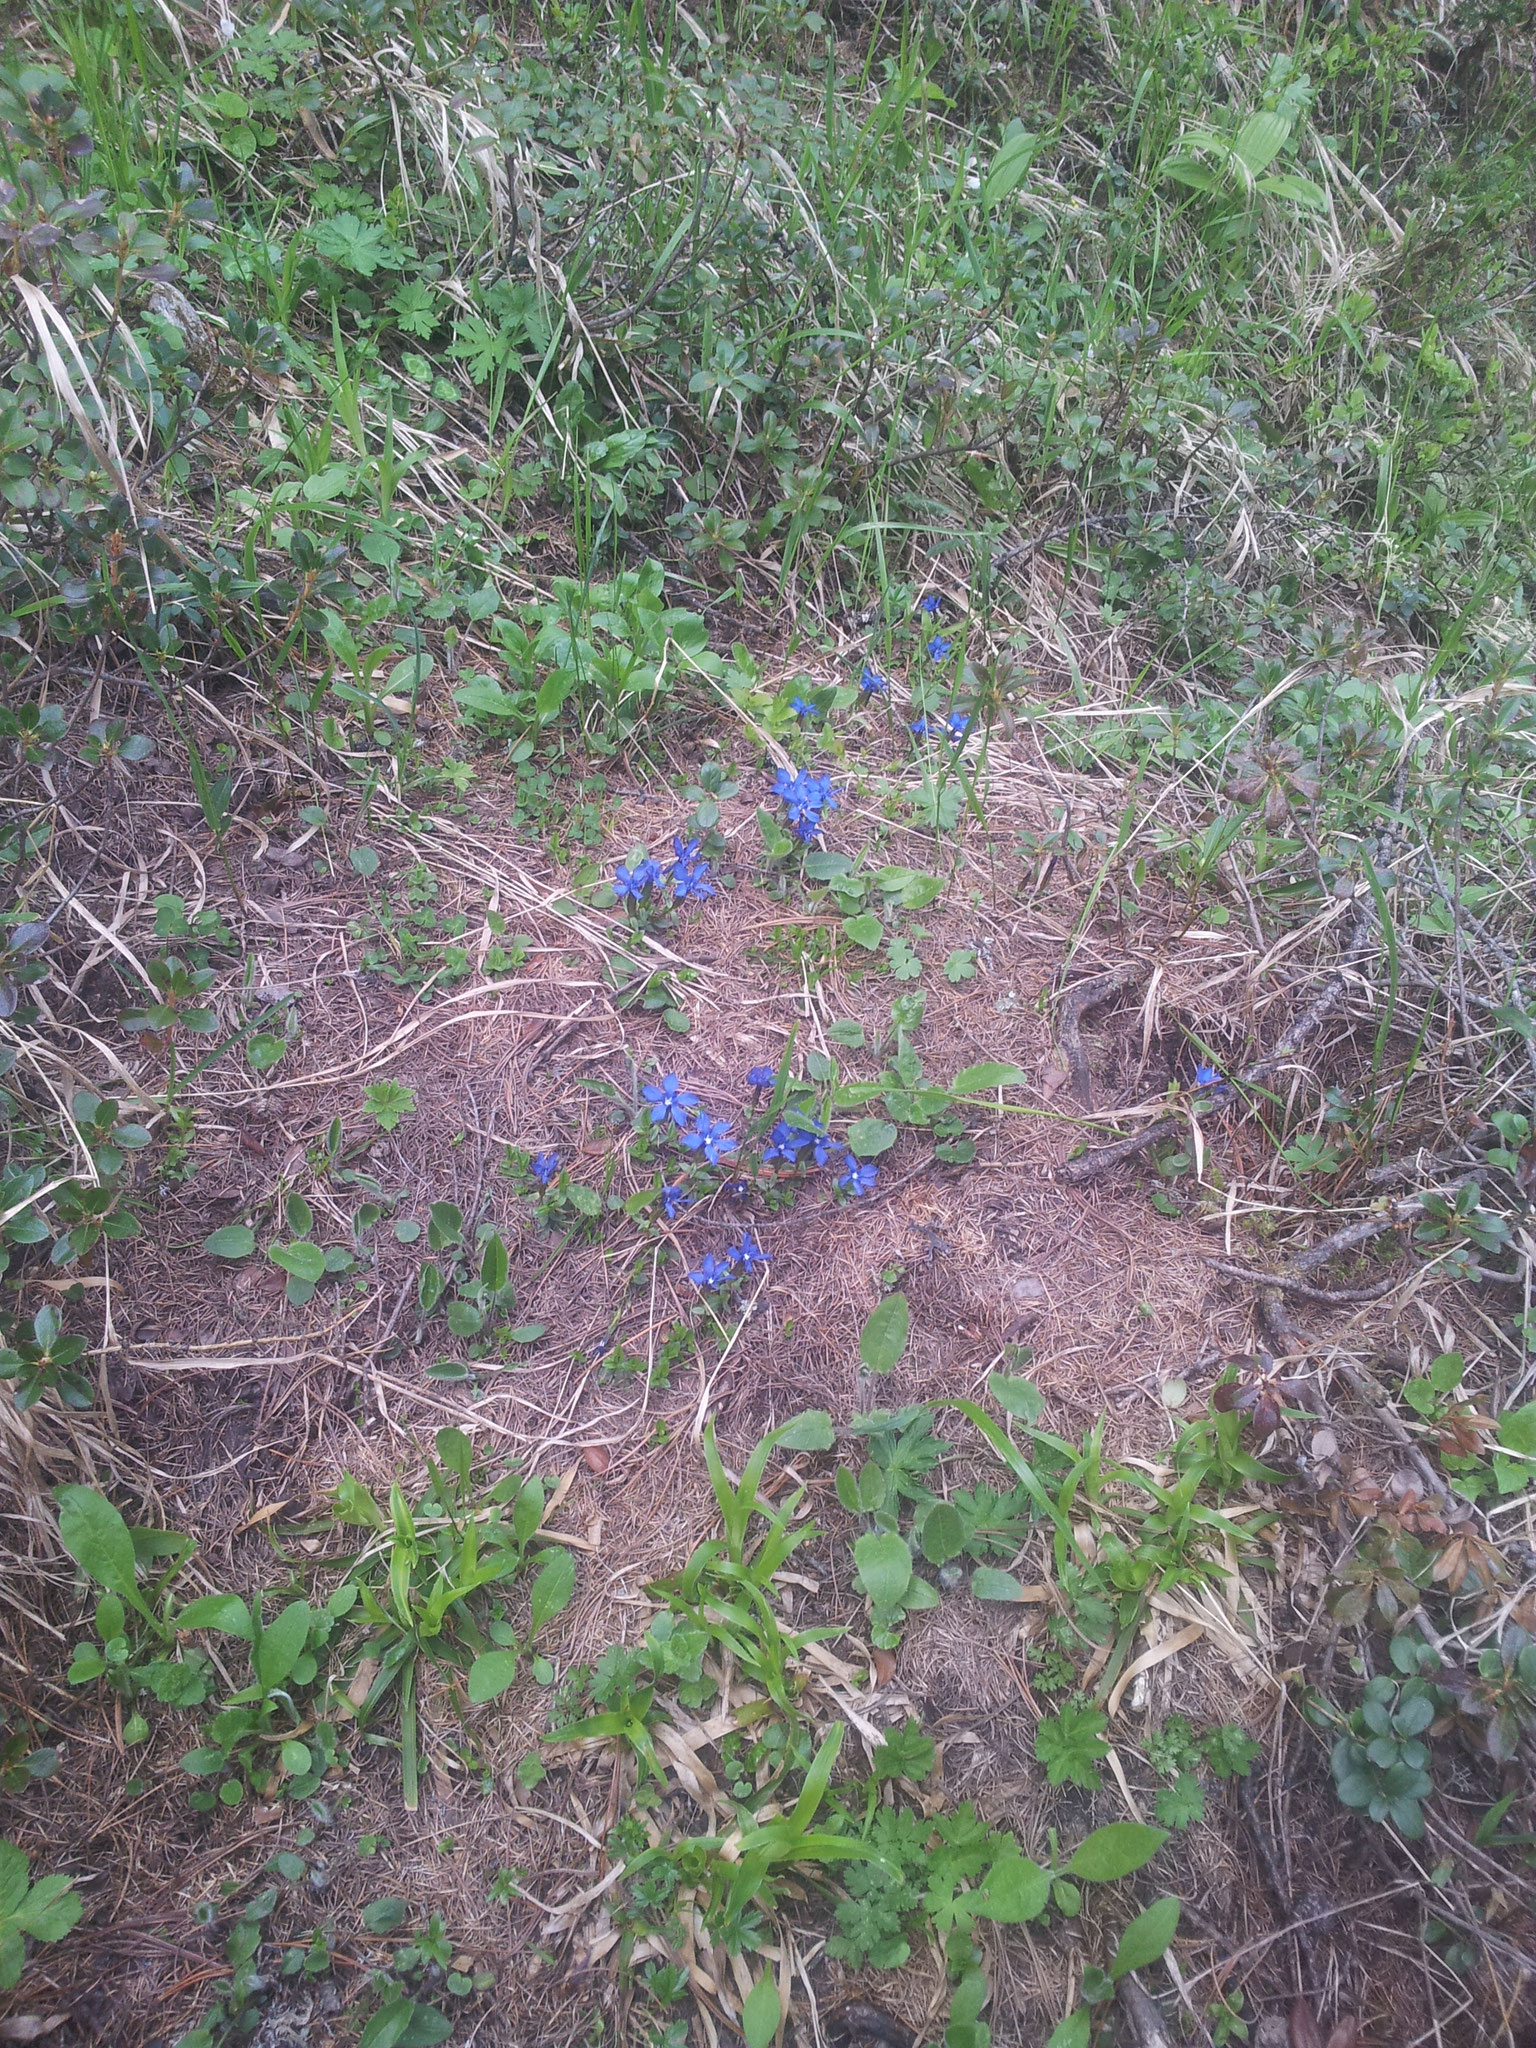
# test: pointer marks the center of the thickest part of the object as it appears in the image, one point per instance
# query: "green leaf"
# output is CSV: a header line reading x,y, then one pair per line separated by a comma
x,y
388,2026
1299,191
1148,1936
943,1533
357,246
97,1538
1010,164
884,1336
988,1074
365,860
282,1645
552,1589
988,1583
1074,2031
234,1241
847,1031
226,1612
303,1260
1115,1851
490,1675
760,2012
811,1431
264,1051
884,1566
1260,140
299,1216
1015,1890
1019,1397
869,1136
383,1916
297,1761
493,1263
865,930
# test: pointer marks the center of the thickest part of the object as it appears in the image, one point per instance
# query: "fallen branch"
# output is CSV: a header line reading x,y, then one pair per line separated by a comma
x,y
1082,997
1341,1298
1306,1027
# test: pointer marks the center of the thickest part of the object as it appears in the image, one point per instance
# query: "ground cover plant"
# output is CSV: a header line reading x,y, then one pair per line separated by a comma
x,y
767,1025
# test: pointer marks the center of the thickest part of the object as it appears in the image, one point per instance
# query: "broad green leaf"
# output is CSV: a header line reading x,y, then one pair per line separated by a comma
x,y
1299,191
1015,1890
884,1336
490,1675
1115,1851
282,1645
987,1074
1260,140
226,1612
811,1431
300,1217
297,1761
760,2012
988,1583
884,1566
869,1136
304,1261
1147,1937
387,2027
865,930
552,1589
1074,2031
943,1533
1019,1397
493,1263
1010,164
97,1538
234,1241
383,1916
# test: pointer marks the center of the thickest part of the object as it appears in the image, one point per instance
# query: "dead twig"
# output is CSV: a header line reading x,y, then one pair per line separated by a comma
x,y
1082,997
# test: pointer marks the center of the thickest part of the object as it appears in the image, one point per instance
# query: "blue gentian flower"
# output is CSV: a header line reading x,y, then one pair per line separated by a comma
x,y
805,797
939,646
859,1179
749,1255
801,709
669,1098
1206,1077
872,683
824,1149
632,882
674,1200
544,1166
930,604
711,1136
785,1142
711,1272
761,1077
957,725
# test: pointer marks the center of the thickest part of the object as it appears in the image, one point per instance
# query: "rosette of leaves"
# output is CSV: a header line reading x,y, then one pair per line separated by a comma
x,y
1380,1767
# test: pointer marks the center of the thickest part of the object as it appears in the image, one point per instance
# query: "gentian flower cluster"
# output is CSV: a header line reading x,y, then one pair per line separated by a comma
x,y
805,796
739,1262
789,1145
644,884
544,1166
953,726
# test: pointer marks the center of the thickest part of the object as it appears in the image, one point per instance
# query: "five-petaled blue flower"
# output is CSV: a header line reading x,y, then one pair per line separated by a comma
x,y
859,1179
931,604
711,1272
688,873
748,1256
1206,1077
786,1142
957,725
544,1166
674,1200
802,709
669,1098
805,796
760,1077
632,882
711,1136
939,646
872,683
